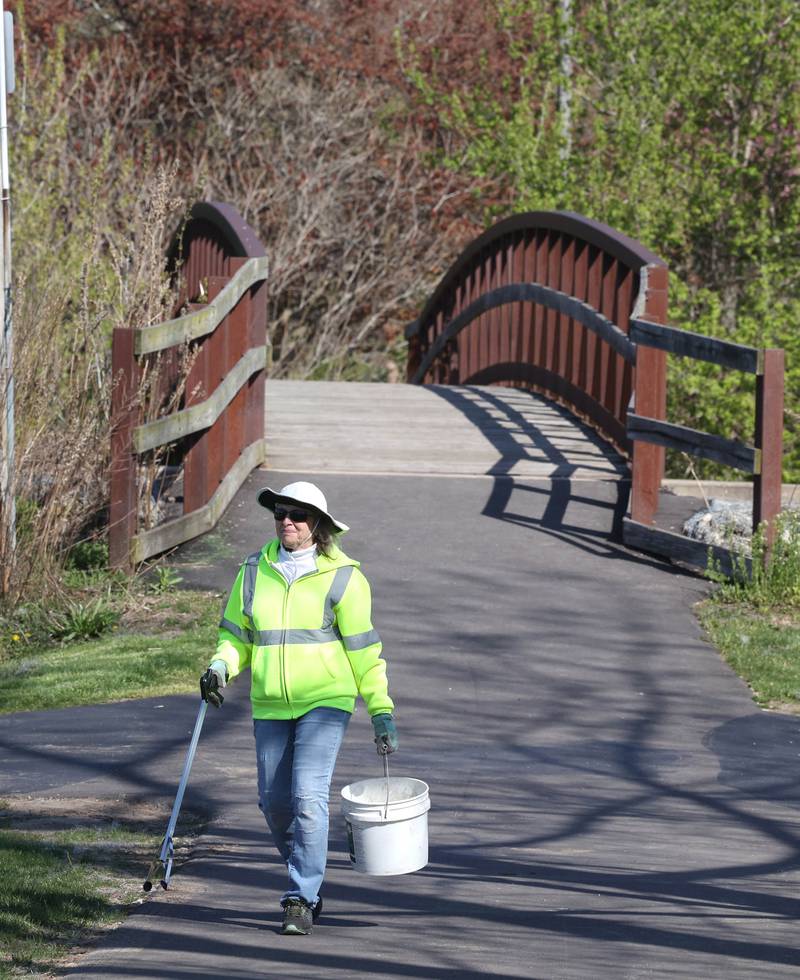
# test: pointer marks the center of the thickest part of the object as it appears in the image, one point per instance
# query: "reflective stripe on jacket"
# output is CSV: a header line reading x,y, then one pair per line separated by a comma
x,y
307,644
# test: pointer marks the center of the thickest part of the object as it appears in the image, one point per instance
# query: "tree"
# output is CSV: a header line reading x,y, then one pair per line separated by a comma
x,y
683,132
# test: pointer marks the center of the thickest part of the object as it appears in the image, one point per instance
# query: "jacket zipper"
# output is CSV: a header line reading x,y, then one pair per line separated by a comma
x,y
284,689
282,669
284,685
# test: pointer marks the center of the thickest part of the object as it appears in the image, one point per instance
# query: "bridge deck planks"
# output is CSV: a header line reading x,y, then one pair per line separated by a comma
x,y
356,427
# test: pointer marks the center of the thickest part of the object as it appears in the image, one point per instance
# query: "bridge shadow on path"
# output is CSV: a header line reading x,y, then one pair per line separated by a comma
x,y
510,878
509,419
498,894
385,930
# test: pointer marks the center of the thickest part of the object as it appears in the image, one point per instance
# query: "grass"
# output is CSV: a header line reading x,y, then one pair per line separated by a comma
x,y
61,886
161,646
753,618
761,645
72,869
66,877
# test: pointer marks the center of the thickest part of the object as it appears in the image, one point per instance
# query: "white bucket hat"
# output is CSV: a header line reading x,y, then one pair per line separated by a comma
x,y
301,493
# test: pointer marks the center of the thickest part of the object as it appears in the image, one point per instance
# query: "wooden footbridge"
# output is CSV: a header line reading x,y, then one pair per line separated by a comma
x,y
542,352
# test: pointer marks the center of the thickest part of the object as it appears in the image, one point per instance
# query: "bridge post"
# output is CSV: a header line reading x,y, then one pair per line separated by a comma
x,y
414,356
647,466
769,442
257,313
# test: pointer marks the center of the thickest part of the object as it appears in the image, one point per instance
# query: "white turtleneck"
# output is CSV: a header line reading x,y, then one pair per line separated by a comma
x,y
293,564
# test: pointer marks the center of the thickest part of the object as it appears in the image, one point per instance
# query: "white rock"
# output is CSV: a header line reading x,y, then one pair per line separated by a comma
x,y
724,523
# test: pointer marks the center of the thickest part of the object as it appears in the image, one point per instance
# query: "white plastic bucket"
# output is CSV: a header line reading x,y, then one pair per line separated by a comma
x,y
385,840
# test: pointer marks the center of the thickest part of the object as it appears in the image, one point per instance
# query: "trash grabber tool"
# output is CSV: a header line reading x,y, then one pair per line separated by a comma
x,y
167,854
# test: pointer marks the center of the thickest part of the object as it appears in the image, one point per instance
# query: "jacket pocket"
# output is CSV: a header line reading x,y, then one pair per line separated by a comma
x,y
317,671
265,670
329,662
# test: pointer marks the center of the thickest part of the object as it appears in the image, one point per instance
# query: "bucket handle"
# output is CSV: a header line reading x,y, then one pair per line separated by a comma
x,y
386,777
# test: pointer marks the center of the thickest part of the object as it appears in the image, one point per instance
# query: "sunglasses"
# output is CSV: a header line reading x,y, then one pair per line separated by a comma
x,y
295,516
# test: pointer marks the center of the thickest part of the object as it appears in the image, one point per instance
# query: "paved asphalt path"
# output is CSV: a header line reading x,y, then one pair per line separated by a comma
x,y
607,801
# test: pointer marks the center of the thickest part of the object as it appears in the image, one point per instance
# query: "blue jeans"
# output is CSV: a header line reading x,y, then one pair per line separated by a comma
x,y
295,761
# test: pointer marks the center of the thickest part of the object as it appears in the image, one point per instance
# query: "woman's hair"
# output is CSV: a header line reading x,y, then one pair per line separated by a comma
x,y
324,534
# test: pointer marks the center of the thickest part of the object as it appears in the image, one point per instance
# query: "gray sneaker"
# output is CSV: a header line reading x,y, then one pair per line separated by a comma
x,y
297,918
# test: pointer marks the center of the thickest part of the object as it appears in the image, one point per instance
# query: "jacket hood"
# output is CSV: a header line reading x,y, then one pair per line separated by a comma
x,y
336,559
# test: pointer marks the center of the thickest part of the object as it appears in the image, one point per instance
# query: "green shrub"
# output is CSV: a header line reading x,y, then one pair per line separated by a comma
x,y
166,580
22,627
771,577
86,556
82,620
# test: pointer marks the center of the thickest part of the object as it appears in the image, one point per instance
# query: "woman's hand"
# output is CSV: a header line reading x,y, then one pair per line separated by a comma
x,y
211,682
385,734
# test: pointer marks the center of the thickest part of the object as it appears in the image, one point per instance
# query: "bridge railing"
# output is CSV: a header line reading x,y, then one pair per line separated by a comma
x,y
568,307
763,459
214,437
509,311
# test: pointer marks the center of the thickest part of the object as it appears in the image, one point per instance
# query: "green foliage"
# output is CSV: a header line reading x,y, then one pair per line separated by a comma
x,y
58,194
675,123
161,647
753,616
45,895
772,578
59,883
82,620
21,627
166,580
762,647
87,556
94,609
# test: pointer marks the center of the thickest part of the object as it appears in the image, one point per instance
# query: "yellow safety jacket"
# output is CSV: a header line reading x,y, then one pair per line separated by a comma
x,y
307,644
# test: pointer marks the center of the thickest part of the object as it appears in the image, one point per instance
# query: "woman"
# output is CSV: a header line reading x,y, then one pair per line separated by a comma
x,y
299,615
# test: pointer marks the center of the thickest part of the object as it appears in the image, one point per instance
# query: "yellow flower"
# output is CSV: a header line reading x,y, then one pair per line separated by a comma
x,y
16,637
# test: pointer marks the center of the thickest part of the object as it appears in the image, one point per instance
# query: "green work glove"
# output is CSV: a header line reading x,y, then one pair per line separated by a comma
x,y
385,734
212,681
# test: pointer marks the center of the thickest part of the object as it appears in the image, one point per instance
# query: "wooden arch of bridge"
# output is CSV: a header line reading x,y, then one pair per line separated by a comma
x,y
489,321
576,311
